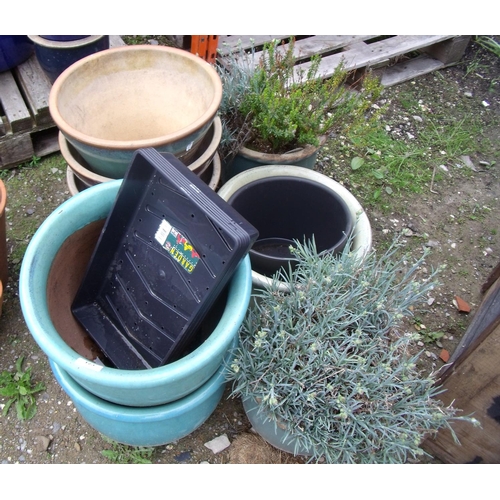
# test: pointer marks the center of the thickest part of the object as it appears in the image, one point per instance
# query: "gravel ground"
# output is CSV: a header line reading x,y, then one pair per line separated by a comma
x,y
458,216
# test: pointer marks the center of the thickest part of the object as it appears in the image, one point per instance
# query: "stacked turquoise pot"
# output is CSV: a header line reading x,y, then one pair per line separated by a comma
x,y
110,399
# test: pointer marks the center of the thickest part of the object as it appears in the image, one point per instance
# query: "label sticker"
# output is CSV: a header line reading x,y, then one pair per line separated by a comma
x,y
85,363
177,245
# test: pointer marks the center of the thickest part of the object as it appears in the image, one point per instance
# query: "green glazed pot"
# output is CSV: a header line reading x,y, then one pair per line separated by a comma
x,y
148,387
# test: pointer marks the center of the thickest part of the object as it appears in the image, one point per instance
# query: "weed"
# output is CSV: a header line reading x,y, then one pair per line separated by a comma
x,y
430,337
19,389
35,160
489,43
124,454
474,66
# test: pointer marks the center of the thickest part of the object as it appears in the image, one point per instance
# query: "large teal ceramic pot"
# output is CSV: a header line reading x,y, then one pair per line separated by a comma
x,y
150,426
124,387
114,102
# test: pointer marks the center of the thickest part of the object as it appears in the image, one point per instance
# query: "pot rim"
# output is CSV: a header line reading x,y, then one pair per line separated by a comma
x,y
3,197
82,171
132,145
64,45
295,155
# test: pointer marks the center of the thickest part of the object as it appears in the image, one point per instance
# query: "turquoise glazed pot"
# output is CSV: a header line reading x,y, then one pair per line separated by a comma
x,y
248,158
55,55
14,50
114,102
147,387
150,426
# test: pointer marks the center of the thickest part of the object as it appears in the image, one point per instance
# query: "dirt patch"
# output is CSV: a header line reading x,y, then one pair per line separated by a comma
x,y
457,215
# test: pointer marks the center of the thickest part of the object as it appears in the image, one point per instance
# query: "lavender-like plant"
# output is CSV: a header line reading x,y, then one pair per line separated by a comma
x,y
329,360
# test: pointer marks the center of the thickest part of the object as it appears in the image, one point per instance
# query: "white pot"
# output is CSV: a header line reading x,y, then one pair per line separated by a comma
x,y
362,240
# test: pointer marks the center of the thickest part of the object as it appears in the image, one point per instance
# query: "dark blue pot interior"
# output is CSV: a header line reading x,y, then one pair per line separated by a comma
x,y
54,60
14,49
63,38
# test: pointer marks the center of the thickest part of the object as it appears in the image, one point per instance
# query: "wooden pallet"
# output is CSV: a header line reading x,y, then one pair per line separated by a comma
x,y
394,58
26,127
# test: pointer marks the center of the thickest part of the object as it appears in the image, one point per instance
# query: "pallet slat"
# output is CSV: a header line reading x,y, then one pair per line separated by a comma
x,y
27,128
35,86
361,55
15,109
363,52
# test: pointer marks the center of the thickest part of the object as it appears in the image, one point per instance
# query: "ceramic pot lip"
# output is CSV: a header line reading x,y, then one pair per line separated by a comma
x,y
82,171
75,165
362,240
71,177
104,55
294,155
33,295
40,41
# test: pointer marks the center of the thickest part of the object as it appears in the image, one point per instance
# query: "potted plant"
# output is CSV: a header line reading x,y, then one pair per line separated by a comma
x,y
274,113
325,368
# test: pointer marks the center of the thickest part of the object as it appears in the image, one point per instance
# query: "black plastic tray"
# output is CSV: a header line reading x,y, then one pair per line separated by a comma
x,y
168,247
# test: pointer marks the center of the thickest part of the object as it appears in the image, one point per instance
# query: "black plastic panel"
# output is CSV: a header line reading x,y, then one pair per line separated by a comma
x,y
168,248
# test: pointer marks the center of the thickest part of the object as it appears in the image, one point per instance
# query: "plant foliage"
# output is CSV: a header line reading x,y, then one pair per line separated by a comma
x,y
329,362
124,454
282,106
19,389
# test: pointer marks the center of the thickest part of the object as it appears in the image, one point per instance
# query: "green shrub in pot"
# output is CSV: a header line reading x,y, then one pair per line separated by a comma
x,y
329,362
270,105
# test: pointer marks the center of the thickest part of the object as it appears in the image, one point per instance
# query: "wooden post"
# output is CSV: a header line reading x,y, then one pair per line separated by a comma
x,y
472,383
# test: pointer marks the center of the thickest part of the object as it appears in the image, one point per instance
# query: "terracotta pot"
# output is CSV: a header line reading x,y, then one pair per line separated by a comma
x,y
114,102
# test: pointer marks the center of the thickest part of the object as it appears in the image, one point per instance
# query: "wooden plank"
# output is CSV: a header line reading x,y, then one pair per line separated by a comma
x,y
115,41
13,104
322,44
45,141
363,55
407,70
474,388
472,383
35,86
449,51
486,319
305,48
230,43
16,149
